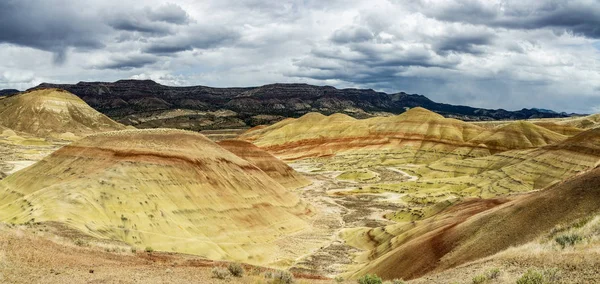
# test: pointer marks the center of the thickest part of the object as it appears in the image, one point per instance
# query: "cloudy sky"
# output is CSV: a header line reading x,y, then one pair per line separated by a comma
x,y
487,53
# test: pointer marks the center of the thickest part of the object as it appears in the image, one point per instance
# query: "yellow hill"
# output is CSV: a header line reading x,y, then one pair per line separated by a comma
x,y
53,113
517,135
474,229
275,168
168,189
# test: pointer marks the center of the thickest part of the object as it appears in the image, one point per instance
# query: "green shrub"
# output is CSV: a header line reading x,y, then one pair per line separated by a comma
x,y
568,240
552,275
220,273
236,269
493,273
148,249
370,279
531,277
339,279
479,279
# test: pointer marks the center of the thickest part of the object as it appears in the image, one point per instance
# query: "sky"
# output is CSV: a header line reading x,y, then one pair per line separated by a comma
x,y
509,54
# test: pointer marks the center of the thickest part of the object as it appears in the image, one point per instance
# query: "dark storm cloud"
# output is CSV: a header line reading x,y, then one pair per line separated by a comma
x,y
127,63
580,17
158,21
52,26
463,43
199,37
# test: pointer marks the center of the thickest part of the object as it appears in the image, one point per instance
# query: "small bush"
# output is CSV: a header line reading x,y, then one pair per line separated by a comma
x,y
370,279
339,279
568,240
80,242
479,279
236,269
133,250
493,273
148,249
283,277
552,275
531,277
220,273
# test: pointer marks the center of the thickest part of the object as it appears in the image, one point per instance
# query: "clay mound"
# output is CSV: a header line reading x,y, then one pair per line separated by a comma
x,y
51,113
477,229
518,135
168,189
563,129
275,168
315,134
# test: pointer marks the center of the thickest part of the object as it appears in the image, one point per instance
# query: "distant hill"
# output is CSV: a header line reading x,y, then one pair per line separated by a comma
x,y
52,113
7,92
147,104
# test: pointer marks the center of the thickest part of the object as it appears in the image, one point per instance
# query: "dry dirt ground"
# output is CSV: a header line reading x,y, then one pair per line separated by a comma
x,y
52,253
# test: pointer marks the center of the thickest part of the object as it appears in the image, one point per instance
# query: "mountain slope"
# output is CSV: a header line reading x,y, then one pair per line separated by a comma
x,y
52,112
146,103
168,189
476,229
275,168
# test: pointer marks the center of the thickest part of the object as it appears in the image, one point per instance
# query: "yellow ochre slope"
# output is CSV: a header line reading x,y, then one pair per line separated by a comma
x,y
171,190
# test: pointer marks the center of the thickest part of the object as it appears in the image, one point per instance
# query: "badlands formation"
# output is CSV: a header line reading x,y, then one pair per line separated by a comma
x,y
415,196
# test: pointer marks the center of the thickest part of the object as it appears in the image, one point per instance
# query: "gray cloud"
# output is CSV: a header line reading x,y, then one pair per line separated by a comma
x,y
127,62
52,26
200,37
580,17
507,53
352,34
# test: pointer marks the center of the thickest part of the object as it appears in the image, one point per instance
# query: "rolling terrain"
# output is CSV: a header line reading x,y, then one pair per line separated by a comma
x,y
147,104
37,123
166,189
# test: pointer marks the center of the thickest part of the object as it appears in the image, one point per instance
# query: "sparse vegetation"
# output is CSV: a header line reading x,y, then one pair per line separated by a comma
x,y
283,277
370,279
236,269
493,273
480,279
80,243
148,249
568,240
339,279
220,273
531,277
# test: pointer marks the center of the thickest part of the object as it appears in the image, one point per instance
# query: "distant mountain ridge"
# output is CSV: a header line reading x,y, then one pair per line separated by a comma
x,y
8,92
147,104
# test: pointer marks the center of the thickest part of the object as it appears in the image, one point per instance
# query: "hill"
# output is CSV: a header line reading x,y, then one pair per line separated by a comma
x,y
275,168
147,104
7,92
433,135
166,189
475,229
53,113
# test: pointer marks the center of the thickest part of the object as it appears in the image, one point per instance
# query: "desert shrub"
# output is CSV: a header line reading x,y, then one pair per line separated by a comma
x,y
133,250
531,277
280,277
552,275
479,279
568,240
220,273
80,242
493,273
370,279
339,279
148,249
236,269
